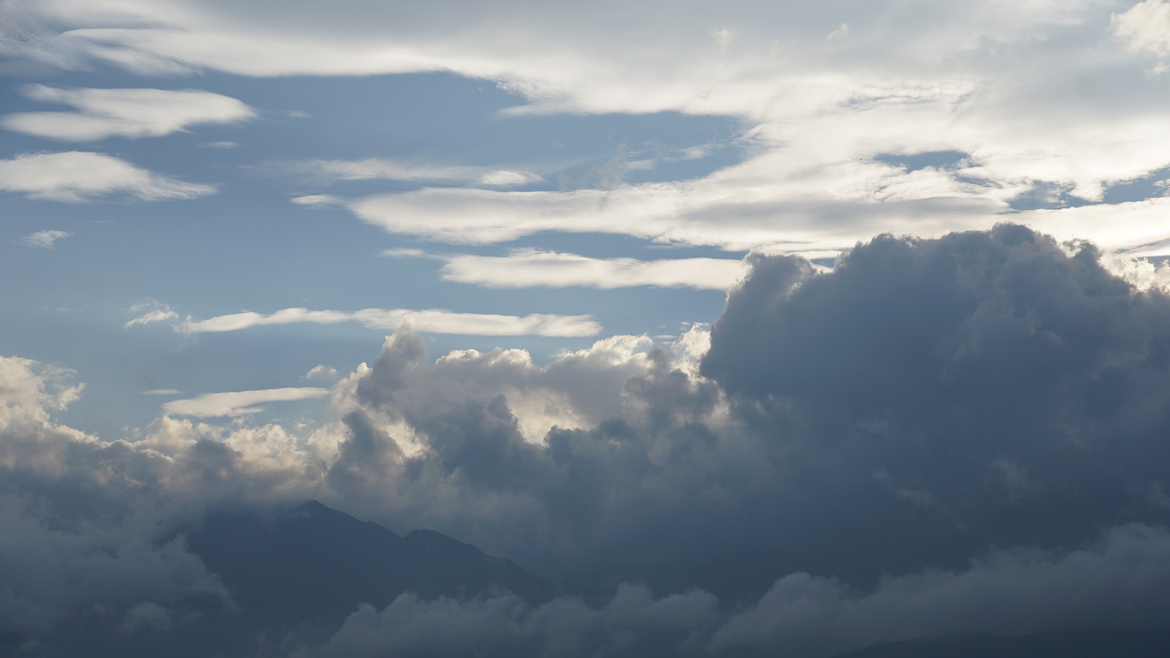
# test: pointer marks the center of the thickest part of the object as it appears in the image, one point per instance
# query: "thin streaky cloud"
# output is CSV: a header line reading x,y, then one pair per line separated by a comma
x,y
331,171
238,403
129,113
527,268
437,321
79,176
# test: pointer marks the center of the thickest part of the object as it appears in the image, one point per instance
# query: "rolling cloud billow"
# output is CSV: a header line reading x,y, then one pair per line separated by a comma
x,y
938,437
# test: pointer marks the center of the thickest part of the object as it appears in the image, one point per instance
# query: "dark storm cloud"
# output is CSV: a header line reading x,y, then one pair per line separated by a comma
x,y
1011,391
925,402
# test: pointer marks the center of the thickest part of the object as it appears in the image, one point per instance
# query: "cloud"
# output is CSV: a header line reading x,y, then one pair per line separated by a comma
x,y
317,200
839,33
935,424
331,171
43,239
76,532
77,176
238,403
525,268
162,391
1144,27
504,177
152,311
129,113
219,145
1007,593
431,320
814,116
321,372
946,435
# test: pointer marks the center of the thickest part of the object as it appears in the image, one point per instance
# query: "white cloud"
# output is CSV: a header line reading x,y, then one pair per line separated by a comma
x,y
43,239
1145,27
724,37
238,403
403,252
162,391
329,171
321,372
839,33
814,116
126,112
437,321
524,268
151,311
77,176
316,200
219,145
509,177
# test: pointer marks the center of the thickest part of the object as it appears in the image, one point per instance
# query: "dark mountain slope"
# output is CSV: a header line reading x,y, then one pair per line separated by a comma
x,y
307,564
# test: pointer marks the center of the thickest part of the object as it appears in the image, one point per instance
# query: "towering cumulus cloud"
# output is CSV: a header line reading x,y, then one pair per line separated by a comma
x,y
946,436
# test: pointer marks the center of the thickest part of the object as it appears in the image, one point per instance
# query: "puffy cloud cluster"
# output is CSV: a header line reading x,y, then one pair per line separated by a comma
x,y
962,434
81,543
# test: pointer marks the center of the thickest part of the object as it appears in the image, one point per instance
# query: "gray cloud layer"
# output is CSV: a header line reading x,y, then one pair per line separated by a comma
x,y
939,436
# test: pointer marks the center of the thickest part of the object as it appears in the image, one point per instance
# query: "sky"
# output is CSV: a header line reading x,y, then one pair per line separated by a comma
x,y
866,296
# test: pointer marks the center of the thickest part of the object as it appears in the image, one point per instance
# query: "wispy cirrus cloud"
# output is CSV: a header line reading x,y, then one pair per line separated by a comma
x,y
148,311
130,113
78,176
330,171
437,321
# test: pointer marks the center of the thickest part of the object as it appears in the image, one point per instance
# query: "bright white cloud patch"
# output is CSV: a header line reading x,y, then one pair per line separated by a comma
x,y
238,403
437,321
131,113
43,239
525,268
77,176
1145,27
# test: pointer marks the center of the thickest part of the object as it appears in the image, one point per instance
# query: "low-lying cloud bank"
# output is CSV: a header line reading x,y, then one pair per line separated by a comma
x,y
1120,581
938,436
